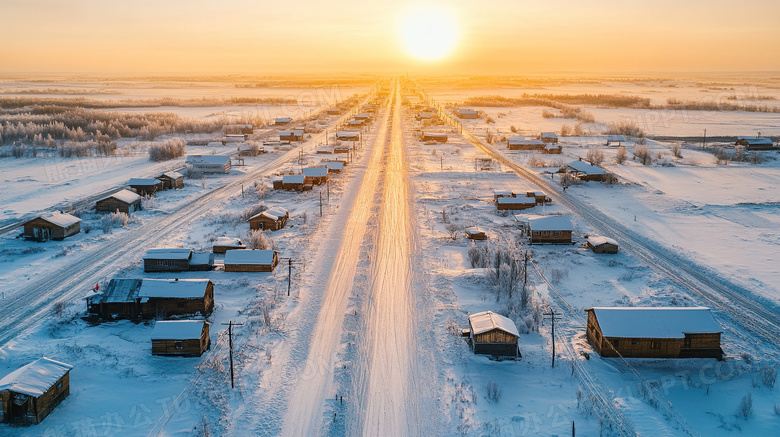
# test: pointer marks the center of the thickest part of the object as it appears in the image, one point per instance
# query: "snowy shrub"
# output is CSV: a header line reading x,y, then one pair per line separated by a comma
x,y
258,240
252,211
677,150
578,131
64,252
595,156
777,410
453,328
169,149
513,129
625,127
546,113
537,162
557,274
494,391
768,375
565,130
642,154
452,229
260,188
745,407
86,227
58,308
621,155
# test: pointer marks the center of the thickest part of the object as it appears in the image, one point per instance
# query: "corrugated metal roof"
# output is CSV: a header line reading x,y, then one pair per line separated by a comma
x,y
293,179
660,322
488,321
315,172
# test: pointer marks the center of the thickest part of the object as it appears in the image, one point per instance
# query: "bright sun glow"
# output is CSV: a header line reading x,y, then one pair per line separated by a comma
x,y
429,32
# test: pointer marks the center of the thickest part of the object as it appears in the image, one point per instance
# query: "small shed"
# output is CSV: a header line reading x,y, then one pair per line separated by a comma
x,y
123,201
293,182
493,334
146,186
660,332
30,393
755,143
552,149
324,150
425,115
291,135
434,136
234,139
538,196
514,203
348,135
602,245
475,233
250,261
206,164
467,113
167,260
587,172
549,137
150,298
315,175
356,123
497,194
552,229
55,226
223,244
363,116
342,148
273,219
186,338
520,143
172,180
333,111
334,166
616,139
281,121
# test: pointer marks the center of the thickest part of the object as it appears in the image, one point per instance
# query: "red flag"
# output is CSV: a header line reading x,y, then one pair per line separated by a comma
x,y
97,287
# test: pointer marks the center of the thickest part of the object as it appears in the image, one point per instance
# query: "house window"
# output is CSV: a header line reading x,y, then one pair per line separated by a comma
x,y
615,343
687,342
555,235
633,342
654,344
177,345
59,386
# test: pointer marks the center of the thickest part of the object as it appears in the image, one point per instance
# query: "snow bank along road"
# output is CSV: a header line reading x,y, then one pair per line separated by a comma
x,y
700,280
23,309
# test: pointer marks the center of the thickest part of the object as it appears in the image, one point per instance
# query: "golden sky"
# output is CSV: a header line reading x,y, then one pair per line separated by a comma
x,y
494,36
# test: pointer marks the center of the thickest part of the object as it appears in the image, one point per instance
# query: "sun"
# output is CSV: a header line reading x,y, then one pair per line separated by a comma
x,y
429,32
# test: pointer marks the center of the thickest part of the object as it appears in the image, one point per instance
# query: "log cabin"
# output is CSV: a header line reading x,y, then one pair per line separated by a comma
x,y
546,229
475,233
548,138
122,201
493,334
291,135
636,332
146,186
172,180
273,219
30,393
538,196
281,121
434,136
55,226
223,244
520,143
250,261
587,172
348,136
184,338
755,143
293,182
152,298
602,245
208,164
468,113
315,175
176,260
514,203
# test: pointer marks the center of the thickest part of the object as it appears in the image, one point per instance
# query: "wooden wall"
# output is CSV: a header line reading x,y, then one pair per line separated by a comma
x,y
173,265
56,232
267,223
112,205
603,248
39,407
550,236
190,347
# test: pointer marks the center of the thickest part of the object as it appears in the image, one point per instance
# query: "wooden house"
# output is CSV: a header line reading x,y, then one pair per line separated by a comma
x,y
273,219
538,196
172,180
291,135
602,245
146,186
497,194
549,137
638,332
176,260
434,136
184,338
475,233
333,111
363,116
324,150
468,113
587,172
208,164
233,139
616,139
356,123
342,148
250,261
246,129
552,149
315,175
514,203
123,201
55,226
425,115
551,229
281,121
333,166
755,143
293,182
30,393
520,143
346,135
223,244
153,298
493,334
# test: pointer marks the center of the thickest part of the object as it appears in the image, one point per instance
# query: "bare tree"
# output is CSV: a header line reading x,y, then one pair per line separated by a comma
x,y
621,155
595,156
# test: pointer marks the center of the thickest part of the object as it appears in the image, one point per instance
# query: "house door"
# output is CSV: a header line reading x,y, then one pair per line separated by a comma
x,y
42,234
19,406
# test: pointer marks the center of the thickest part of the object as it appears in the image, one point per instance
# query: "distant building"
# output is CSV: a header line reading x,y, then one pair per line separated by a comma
x,y
272,219
152,298
223,244
280,121
514,203
493,334
315,175
551,229
431,136
475,233
348,136
146,186
293,182
468,113
520,143
55,226
123,201
538,196
250,261
643,332
616,139
291,135
602,245
549,137
30,393
205,164
755,143
187,338
172,180
587,172
176,260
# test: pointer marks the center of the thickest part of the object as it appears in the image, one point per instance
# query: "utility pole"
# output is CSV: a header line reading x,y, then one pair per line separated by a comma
x,y
289,272
552,315
230,341
704,140
320,203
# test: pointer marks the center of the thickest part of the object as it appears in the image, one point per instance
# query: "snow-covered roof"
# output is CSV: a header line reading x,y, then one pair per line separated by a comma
x,y
334,165
315,172
273,213
474,230
283,119
35,378
126,196
228,241
522,141
173,174
214,143
178,330
293,179
143,181
434,134
172,253
177,288
661,322
287,133
467,111
252,257
616,138
324,149
514,139
586,168
202,259
549,135
549,223
757,141
347,134
488,321
61,219
598,240
363,115
504,193
515,200
207,159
